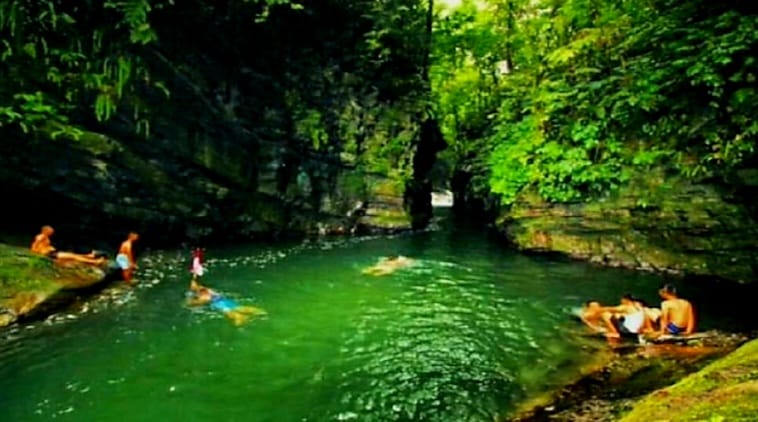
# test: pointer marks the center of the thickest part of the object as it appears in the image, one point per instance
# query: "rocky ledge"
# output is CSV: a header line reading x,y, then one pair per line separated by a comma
x,y
726,390
32,286
639,383
657,223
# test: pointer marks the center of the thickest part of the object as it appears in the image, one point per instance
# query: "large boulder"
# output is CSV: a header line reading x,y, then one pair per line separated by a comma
x,y
31,284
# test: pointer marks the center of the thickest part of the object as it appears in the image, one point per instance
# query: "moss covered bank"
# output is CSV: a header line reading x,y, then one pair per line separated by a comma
x,y
635,382
31,286
725,390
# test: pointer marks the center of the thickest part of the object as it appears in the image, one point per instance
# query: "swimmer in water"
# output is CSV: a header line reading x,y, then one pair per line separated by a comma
x,y
389,265
238,314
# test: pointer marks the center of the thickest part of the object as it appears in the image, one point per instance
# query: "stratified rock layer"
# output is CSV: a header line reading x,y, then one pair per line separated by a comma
x,y
655,223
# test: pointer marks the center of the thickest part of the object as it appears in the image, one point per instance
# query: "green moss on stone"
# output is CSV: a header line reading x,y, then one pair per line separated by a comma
x,y
352,185
20,272
387,187
27,280
726,390
97,143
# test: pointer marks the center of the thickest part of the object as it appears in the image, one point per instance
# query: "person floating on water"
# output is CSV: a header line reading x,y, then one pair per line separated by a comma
x,y
43,246
677,314
197,268
125,258
388,265
238,314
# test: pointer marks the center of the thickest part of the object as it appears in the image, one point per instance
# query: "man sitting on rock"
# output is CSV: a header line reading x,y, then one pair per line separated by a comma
x,y
42,246
677,314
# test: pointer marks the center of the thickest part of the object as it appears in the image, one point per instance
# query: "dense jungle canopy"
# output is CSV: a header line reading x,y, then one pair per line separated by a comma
x,y
564,98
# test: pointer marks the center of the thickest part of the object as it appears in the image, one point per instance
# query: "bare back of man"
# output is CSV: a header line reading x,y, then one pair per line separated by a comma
x,y
677,314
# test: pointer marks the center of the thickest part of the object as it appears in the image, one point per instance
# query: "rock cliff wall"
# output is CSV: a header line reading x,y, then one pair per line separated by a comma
x,y
656,223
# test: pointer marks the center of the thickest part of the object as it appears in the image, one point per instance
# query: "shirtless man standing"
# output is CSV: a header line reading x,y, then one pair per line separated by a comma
x,y
677,315
125,258
43,246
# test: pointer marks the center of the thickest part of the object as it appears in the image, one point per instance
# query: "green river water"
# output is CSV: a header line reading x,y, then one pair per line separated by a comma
x,y
465,335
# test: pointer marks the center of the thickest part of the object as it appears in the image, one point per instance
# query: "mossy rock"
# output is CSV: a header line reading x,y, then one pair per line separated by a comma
x,y
387,218
27,281
610,389
386,187
726,390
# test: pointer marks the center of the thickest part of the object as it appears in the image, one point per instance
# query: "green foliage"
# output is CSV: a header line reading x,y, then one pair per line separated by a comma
x,y
567,98
64,62
63,59
310,126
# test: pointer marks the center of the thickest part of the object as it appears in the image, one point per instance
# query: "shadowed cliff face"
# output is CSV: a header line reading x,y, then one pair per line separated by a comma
x,y
262,131
97,189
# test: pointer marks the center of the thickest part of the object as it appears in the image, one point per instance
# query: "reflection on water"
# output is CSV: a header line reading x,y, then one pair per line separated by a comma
x,y
465,334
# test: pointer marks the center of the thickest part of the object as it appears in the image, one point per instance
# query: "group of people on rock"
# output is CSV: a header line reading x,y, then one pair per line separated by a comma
x,y
42,245
633,317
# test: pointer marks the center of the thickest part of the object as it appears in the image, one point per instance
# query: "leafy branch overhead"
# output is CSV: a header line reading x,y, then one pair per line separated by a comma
x,y
568,98
342,81
67,57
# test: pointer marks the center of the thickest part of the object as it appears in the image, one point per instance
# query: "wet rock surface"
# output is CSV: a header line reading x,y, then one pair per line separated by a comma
x,y
725,390
630,372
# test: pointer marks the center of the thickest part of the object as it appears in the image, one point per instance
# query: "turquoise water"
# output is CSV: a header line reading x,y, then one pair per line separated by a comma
x,y
467,333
